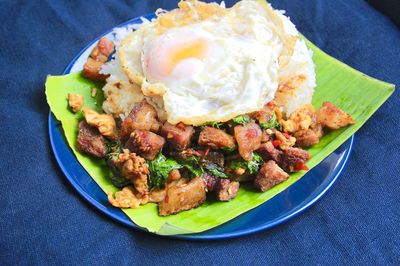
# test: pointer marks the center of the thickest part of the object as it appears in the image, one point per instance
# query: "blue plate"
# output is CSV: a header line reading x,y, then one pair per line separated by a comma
x,y
279,209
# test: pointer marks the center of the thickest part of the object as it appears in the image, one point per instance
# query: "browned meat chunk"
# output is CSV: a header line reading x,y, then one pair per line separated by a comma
x,y
293,159
332,117
268,152
214,157
91,70
99,55
178,136
309,137
210,181
183,197
270,175
133,168
145,143
248,138
216,138
103,50
142,117
90,141
225,189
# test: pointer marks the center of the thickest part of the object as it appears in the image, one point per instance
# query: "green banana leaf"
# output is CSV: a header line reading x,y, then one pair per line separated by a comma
x,y
354,92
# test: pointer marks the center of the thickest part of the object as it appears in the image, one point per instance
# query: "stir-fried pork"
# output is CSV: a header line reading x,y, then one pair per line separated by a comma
x,y
216,138
225,189
248,138
90,141
270,175
178,136
181,197
145,143
142,117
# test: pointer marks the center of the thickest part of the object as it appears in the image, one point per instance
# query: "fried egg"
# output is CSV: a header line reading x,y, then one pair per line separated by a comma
x,y
203,62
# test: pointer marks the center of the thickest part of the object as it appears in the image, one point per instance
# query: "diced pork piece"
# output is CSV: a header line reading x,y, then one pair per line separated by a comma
x,y
214,157
248,138
103,50
210,181
145,143
91,70
269,175
142,117
332,117
183,197
178,136
293,159
268,152
309,137
98,56
90,141
225,189
216,138
134,168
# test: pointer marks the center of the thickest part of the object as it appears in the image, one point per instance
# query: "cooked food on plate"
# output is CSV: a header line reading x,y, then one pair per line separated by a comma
x,y
200,100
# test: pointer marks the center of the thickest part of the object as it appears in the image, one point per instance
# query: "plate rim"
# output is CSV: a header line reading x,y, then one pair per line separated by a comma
x,y
52,122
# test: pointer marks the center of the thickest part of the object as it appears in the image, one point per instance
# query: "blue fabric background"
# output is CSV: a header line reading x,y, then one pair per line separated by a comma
x,y
43,220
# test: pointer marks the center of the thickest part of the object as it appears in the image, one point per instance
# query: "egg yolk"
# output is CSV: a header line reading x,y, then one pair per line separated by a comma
x,y
193,50
177,58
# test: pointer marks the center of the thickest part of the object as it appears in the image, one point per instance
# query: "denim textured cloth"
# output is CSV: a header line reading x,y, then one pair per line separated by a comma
x,y
43,220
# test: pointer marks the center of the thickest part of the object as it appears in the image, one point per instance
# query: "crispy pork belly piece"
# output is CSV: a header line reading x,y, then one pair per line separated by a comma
x,y
332,117
293,159
182,197
98,56
91,70
308,137
90,141
216,138
225,189
134,168
105,123
248,138
178,136
269,175
268,152
75,102
142,117
145,143
127,198
103,50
